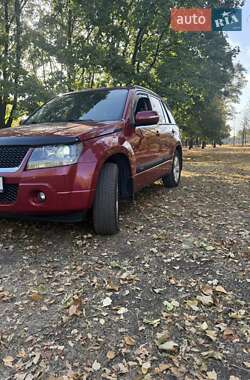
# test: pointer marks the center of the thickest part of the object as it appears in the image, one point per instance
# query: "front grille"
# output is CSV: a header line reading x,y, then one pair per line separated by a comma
x,y
9,194
12,156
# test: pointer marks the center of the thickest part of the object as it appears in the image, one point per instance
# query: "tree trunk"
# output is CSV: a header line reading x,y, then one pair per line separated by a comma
x,y
4,97
70,65
17,10
137,46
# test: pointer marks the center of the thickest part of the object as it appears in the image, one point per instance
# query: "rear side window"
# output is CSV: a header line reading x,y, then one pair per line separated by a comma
x,y
167,117
169,114
156,106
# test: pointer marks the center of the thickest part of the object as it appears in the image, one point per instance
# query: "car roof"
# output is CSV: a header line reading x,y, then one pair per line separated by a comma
x,y
130,87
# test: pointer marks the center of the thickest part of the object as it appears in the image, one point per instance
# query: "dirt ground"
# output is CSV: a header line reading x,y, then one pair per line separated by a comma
x,y
166,298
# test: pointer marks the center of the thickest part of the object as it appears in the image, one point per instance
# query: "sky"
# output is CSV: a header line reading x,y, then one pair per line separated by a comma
x,y
242,39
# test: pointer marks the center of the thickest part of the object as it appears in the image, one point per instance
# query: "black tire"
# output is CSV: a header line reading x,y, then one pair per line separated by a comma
x,y
171,179
106,209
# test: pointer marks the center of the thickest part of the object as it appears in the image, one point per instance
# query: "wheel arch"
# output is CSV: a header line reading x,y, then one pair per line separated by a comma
x,y
125,174
126,186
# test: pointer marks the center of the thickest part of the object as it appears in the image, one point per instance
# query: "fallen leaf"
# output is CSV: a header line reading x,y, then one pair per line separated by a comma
x,y
162,337
122,310
106,302
193,304
207,290
212,354
30,377
240,314
147,377
111,355
20,376
96,366
22,354
112,287
154,250
129,341
152,322
204,326
162,368
171,305
176,372
158,291
229,334
209,248
205,300
172,280
212,335
122,368
75,308
8,361
212,375
37,358
36,297
145,367
220,289
5,296
168,346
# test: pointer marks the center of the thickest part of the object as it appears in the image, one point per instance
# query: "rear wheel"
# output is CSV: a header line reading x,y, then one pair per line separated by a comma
x,y
106,204
173,178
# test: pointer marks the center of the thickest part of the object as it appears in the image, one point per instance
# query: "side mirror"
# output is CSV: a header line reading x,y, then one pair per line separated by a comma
x,y
146,118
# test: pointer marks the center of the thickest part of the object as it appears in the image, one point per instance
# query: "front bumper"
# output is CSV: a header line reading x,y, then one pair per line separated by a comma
x,y
67,190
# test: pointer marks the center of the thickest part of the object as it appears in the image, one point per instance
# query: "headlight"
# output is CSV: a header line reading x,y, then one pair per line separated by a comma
x,y
54,155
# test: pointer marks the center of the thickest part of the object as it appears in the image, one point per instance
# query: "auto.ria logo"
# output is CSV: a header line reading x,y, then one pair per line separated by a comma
x,y
206,19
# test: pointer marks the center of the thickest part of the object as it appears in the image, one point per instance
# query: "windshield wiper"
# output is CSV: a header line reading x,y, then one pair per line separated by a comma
x,y
79,120
61,121
30,122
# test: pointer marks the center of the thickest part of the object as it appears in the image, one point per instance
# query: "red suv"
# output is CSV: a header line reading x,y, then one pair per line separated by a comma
x,y
85,151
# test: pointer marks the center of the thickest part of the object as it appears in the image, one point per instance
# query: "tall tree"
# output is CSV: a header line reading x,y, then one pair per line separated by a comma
x,y
10,64
71,44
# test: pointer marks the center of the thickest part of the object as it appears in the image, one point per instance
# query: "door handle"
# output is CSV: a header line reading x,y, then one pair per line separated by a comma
x,y
173,131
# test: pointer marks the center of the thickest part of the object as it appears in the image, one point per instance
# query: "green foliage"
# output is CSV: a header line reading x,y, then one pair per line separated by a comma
x,y
71,44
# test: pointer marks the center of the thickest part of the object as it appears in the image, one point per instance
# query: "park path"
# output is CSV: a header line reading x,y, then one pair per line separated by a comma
x,y
167,298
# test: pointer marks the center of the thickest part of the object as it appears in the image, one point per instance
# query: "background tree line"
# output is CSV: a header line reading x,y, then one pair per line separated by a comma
x,y
52,46
244,133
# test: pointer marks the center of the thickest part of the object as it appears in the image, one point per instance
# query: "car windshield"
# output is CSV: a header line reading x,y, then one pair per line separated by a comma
x,y
93,105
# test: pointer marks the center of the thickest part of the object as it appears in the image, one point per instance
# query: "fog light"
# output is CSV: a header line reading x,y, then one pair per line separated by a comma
x,y
41,196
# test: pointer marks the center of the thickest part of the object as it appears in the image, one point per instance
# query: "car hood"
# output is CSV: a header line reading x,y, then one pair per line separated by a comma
x,y
73,129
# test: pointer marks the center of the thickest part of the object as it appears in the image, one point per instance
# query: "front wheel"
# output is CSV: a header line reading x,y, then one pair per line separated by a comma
x,y
106,204
173,178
